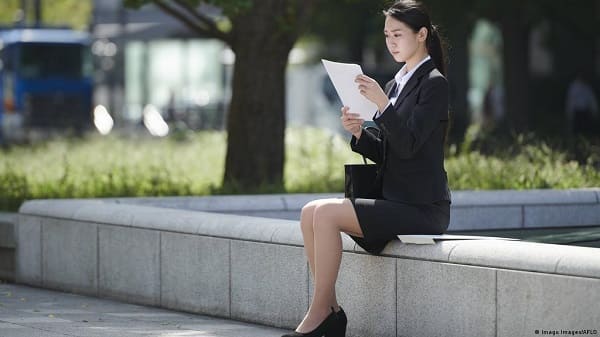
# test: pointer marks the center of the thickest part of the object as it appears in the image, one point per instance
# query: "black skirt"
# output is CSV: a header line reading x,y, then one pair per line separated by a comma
x,y
381,220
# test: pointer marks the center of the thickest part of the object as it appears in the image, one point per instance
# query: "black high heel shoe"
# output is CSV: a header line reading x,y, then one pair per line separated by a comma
x,y
319,331
338,328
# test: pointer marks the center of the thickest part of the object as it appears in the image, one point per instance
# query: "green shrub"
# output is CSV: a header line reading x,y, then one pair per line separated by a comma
x,y
193,164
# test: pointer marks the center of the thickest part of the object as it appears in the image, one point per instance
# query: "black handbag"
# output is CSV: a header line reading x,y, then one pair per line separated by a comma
x,y
363,180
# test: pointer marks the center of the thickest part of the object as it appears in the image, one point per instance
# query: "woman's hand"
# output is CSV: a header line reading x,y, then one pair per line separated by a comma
x,y
372,91
352,122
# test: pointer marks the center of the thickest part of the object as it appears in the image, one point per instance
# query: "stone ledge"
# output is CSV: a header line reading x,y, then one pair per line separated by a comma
x,y
527,197
463,198
525,256
471,210
254,269
7,246
7,237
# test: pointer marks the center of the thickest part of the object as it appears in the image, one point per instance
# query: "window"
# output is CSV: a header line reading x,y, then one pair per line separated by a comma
x,y
43,60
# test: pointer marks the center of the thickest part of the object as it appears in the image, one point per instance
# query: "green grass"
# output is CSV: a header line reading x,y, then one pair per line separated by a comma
x,y
193,165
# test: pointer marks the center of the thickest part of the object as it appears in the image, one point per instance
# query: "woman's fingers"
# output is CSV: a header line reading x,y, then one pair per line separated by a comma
x,y
364,78
349,115
365,81
351,121
345,111
371,90
367,86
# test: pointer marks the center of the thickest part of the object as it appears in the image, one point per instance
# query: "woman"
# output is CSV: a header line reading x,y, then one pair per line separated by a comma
x,y
412,118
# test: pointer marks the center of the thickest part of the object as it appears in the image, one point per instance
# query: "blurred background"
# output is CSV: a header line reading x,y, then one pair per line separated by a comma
x,y
509,62
521,73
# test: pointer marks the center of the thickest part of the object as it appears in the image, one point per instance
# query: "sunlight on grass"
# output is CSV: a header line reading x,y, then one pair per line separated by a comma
x,y
193,164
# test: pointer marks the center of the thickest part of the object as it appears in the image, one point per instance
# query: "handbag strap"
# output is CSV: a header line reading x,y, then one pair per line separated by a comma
x,y
377,133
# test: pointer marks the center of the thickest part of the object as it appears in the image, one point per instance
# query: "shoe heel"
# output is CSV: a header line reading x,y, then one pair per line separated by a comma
x,y
319,331
338,328
339,331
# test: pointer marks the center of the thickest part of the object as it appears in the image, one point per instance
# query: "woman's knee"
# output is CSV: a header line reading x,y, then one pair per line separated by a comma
x,y
336,214
324,215
307,214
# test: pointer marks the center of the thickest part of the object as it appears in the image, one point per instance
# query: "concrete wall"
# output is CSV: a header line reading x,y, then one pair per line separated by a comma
x,y
7,246
471,210
253,269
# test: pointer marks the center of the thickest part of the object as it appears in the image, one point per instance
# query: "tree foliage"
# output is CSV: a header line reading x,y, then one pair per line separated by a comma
x,y
72,13
292,19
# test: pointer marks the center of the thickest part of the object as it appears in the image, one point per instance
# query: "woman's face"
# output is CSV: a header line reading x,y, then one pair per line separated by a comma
x,y
400,39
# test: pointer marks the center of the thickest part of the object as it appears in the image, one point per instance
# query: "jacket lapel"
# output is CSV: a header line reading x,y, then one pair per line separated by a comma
x,y
425,68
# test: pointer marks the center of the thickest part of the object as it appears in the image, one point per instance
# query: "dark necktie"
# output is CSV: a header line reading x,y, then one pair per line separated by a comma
x,y
394,90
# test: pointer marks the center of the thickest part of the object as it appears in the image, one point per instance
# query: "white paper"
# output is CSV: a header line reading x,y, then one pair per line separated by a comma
x,y
430,239
417,239
342,76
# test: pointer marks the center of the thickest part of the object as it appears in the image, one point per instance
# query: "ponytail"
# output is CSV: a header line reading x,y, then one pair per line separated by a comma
x,y
436,48
413,14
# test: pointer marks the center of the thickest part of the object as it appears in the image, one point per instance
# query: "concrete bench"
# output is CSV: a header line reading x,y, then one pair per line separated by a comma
x,y
7,246
471,210
254,269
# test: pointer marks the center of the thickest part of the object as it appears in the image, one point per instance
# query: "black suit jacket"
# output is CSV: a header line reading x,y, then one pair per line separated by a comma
x,y
413,130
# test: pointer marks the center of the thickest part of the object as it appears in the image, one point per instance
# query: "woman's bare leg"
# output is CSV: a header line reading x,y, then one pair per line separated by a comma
x,y
330,217
308,235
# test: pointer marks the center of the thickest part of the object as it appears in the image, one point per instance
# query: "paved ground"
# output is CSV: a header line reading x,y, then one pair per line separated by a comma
x,y
32,312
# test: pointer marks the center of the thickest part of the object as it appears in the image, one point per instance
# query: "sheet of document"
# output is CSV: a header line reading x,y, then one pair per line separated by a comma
x,y
430,239
342,76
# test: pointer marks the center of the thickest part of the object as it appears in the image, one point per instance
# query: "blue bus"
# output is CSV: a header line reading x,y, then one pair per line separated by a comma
x,y
45,80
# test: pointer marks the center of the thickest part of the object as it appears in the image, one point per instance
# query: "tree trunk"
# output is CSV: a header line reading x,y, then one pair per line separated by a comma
x,y
515,34
256,120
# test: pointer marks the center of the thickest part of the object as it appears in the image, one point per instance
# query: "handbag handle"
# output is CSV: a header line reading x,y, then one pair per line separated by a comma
x,y
375,131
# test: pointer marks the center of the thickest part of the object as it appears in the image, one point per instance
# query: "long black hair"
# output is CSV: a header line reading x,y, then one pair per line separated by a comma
x,y
413,14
